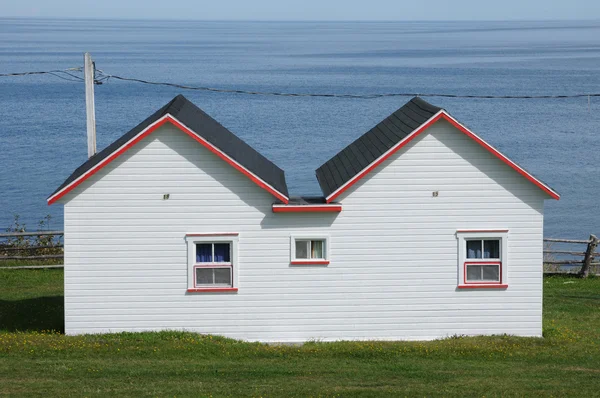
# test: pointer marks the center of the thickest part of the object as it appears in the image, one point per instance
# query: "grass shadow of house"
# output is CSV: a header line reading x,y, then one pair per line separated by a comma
x,y
33,314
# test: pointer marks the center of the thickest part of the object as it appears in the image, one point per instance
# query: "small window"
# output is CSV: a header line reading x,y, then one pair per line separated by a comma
x,y
310,250
212,262
482,258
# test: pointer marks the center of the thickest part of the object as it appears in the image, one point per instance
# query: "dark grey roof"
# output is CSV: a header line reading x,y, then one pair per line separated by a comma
x,y
370,146
206,127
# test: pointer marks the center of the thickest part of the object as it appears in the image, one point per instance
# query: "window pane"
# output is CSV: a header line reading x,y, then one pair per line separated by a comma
x,y
204,276
491,248
302,248
223,276
491,272
204,252
222,253
474,249
317,249
473,272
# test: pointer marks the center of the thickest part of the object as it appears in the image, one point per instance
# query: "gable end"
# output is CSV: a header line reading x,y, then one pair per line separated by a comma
x,y
335,179
191,120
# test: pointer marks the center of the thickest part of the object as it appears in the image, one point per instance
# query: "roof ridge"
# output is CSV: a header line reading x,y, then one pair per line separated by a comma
x,y
176,104
418,101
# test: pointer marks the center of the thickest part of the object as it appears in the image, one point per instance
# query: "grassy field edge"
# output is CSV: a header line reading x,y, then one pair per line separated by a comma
x,y
36,359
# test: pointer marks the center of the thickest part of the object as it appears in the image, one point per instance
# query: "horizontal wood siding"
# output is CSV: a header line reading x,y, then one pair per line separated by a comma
x,y
393,248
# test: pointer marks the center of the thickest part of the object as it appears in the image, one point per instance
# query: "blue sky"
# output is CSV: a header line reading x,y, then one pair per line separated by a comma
x,y
306,9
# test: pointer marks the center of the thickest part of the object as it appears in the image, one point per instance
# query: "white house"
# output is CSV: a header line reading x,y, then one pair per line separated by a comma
x,y
424,231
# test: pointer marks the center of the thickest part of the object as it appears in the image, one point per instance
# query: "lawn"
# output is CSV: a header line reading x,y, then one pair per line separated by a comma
x,y
35,361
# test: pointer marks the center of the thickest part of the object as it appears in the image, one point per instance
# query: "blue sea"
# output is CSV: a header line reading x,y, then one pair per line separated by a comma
x,y
42,118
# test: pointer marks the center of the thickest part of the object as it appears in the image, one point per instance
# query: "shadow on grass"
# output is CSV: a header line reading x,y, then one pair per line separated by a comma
x,y
36,314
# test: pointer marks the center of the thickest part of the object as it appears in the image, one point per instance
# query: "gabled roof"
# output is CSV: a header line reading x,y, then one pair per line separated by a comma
x,y
357,156
194,122
370,150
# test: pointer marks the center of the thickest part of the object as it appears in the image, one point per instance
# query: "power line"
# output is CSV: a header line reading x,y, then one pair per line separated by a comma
x,y
353,96
105,77
61,74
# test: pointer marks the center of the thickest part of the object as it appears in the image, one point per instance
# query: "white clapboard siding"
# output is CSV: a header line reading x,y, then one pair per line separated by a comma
x,y
393,249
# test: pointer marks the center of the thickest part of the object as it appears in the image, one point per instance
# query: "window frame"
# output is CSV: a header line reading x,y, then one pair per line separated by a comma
x,y
463,236
214,238
310,261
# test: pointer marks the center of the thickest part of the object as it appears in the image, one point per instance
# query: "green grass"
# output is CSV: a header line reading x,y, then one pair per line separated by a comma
x,y
36,362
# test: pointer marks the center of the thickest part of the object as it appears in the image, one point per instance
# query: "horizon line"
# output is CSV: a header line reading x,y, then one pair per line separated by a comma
x,y
597,19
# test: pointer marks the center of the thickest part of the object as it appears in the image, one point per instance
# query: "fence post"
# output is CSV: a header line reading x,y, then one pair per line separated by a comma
x,y
589,256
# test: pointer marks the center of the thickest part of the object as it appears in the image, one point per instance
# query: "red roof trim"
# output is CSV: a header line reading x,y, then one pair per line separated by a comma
x,y
307,209
149,130
500,156
232,162
107,160
442,115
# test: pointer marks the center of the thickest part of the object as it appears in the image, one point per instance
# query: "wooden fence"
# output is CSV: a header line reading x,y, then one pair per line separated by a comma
x,y
562,259
48,245
35,246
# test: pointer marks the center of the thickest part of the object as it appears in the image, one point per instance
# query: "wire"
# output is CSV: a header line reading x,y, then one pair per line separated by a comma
x,y
104,78
353,96
55,73
65,78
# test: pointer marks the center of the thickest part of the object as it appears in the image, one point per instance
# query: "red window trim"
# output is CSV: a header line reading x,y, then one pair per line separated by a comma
x,y
213,290
495,286
309,262
480,283
307,209
442,115
150,129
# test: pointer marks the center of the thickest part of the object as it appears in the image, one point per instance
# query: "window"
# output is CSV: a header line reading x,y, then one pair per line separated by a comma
x,y
313,249
212,262
309,250
483,272
480,254
482,258
483,248
213,265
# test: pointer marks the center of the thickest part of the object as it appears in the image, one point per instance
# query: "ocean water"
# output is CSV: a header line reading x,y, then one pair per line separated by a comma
x,y
42,118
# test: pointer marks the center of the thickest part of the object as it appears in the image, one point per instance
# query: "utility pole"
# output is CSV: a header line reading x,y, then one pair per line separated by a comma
x,y
89,70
